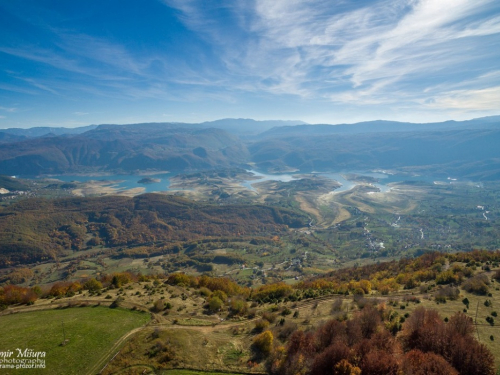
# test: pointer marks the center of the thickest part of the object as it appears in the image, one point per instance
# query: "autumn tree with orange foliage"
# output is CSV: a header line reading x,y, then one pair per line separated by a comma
x,y
454,341
416,362
12,294
426,346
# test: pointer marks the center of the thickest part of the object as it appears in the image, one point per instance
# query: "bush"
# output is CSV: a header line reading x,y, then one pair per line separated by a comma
x,y
220,294
261,325
286,311
337,305
158,306
263,343
447,292
92,285
215,304
477,285
238,306
446,277
496,276
270,317
205,292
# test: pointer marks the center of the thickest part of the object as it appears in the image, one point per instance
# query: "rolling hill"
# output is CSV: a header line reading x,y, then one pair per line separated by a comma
x,y
38,229
124,149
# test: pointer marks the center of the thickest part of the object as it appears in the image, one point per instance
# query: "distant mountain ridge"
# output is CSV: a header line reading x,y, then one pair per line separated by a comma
x,y
244,127
265,128
237,126
124,149
42,131
469,153
463,148
381,126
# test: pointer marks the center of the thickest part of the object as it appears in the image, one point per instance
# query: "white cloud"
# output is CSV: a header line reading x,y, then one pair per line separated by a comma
x,y
473,100
488,27
8,109
368,53
415,44
384,52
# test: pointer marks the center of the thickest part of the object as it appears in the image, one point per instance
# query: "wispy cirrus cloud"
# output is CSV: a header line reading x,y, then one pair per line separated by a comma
x,y
104,68
349,52
432,55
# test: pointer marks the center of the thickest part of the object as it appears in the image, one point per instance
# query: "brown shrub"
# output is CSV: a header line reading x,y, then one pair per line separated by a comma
x,y
417,363
329,332
329,358
378,362
477,284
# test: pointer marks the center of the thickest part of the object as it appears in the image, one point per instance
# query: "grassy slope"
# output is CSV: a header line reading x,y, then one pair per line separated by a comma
x,y
91,332
195,342
202,348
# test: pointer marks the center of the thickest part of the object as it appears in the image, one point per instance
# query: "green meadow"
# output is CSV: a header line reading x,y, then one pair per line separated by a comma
x,y
90,333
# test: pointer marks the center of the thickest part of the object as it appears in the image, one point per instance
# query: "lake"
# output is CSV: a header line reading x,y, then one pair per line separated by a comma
x,y
126,182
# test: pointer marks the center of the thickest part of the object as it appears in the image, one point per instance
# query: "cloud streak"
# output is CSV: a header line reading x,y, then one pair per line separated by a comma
x,y
414,55
8,109
348,53
483,99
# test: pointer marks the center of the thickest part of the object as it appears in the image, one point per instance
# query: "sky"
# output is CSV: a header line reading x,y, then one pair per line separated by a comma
x,y
79,62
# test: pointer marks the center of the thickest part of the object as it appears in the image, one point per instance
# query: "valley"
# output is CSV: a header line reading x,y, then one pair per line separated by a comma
x,y
238,251
364,220
250,187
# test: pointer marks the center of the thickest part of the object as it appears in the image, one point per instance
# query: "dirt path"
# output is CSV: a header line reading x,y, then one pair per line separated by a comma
x,y
106,358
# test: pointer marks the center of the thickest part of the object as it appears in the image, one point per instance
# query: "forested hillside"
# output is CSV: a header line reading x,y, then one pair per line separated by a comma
x,y
123,149
36,229
471,153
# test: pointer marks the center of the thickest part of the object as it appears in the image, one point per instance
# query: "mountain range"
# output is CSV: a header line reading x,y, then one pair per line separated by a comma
x,y
462,148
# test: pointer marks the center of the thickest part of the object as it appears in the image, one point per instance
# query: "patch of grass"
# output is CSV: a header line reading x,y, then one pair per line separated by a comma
x,y
194,322
233,355
91,332
484,329
201,349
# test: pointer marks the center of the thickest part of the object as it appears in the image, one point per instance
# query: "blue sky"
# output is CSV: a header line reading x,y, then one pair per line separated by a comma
x,y
74,63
